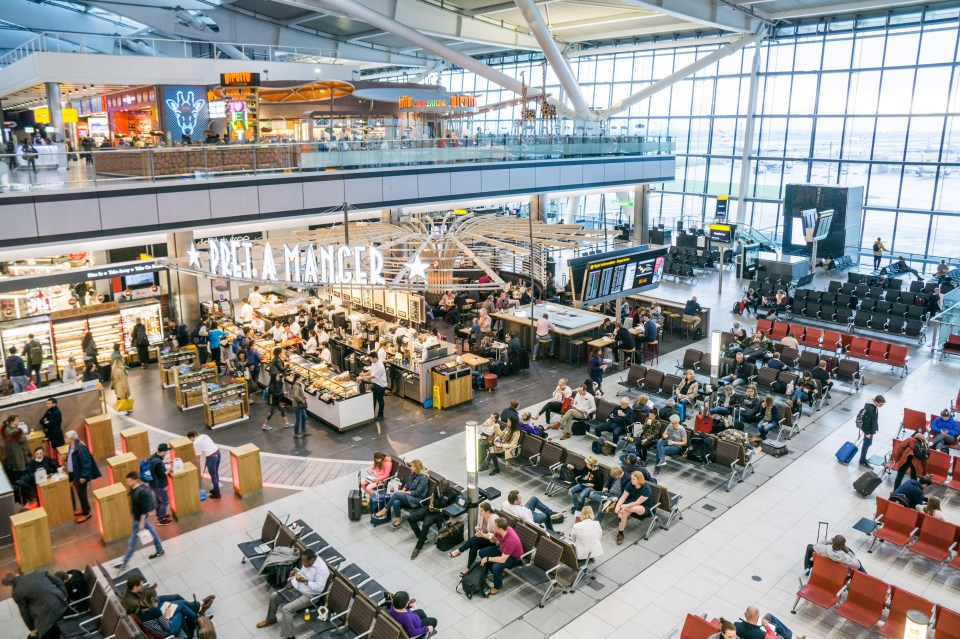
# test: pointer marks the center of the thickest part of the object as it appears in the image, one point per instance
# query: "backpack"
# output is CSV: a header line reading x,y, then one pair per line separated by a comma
x,y
474,582
860,416
597,447
35,355
876,246
700,449
146,475
920,450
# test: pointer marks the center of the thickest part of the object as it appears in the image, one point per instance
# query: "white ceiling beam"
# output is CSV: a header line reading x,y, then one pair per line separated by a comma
x,y
567,79
500,7
710,13
688,70
307,17
652,46
839,8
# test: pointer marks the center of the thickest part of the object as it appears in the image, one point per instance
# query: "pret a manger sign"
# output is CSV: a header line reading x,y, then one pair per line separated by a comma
x,y
310,264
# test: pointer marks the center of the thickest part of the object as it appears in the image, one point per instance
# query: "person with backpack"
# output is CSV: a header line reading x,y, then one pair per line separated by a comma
x,y
307,583
142,503
912,456
153,471
868,423
81,469
138,339
34,352
16,371
508,553
878,249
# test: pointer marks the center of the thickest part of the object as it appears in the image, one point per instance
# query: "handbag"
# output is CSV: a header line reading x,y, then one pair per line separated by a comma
x,y
565,404
124,405
451,536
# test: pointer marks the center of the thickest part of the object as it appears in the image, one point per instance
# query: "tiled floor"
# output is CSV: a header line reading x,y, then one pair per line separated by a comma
x,y
731,549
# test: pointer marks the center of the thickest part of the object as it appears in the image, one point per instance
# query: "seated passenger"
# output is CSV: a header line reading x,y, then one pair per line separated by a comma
x,y
377,474
555,405
583,406
726,404
806,390
635,500
415,622
776,363
687,390
135,585
505,443
586,535
910,493
769,416
506,554
727,630
585,483
619,422
413,491
169,619
943,431
672,442
835,550
432,514
932,508
790,341
309,581
533,512
482,536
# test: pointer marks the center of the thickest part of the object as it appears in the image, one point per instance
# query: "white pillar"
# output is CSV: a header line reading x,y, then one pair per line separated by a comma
x,y
641,214
748,141
573,207
56,115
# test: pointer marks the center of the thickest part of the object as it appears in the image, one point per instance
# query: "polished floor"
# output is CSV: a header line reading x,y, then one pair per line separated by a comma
x,y
731,550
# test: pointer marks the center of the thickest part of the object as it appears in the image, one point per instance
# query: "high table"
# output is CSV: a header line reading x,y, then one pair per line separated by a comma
x,y
671,309
568,323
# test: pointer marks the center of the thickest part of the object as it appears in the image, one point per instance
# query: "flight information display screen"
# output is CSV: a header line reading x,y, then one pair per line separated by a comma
x,y
600,278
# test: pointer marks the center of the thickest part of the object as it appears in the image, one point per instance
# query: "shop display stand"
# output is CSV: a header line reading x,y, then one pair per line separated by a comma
x,y
174,359
189,385
102,320
225,405
151,315
16,332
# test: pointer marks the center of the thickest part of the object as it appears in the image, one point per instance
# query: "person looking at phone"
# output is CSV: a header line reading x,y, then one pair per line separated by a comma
x,y
309,580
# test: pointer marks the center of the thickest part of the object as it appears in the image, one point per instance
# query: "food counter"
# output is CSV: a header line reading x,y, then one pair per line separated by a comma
x,y
452,385
672,313
189,384
225,405
101,320
334,398
176,358
76,400
16,332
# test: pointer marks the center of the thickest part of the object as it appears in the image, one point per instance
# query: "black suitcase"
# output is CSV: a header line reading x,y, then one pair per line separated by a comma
x,y
774,448
354,508
580,427
867,483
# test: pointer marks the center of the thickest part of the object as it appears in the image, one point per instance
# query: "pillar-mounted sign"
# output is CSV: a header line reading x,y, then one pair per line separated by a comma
x,y
721,212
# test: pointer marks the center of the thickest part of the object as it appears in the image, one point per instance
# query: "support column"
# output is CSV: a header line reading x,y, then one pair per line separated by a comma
x,y
538,207
391,216
56,115
748,141
573,207
641,214
184,288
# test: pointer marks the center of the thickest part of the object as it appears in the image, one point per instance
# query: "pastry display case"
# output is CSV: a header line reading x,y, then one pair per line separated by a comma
x,y
225,405
17,333
189,384
101,320
147,311
335,398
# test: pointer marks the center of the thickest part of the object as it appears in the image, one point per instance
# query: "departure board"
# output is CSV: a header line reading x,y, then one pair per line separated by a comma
x,y
600,278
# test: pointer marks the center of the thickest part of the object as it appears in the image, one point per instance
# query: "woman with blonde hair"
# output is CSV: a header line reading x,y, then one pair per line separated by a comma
x,y
118,379
586,535
687,390
635,500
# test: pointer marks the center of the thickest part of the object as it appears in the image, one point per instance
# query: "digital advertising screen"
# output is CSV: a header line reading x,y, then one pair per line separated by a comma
x,y
601,278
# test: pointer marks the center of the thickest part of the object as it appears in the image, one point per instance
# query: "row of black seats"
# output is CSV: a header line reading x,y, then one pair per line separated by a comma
x,y
909,308
874,320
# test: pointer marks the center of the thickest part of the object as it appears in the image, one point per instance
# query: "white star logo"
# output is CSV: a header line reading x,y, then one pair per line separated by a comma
x,y
194,256
417,268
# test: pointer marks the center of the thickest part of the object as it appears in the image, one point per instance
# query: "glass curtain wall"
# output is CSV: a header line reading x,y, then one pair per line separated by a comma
x,y
873,102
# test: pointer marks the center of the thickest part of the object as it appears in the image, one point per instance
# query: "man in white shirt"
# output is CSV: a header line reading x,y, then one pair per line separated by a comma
x,y
325,354
258,325
295,327
204,449
277,331
583,405
544,338
376,374
309,580
245,316
533,512
256,299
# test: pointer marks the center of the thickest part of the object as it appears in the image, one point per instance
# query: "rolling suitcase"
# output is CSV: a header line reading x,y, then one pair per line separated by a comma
x,y
774,448
703,424
867,483
354,508
847,452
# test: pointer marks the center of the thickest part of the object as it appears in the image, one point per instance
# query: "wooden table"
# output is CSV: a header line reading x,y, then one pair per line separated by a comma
x,y
474,361
136,440
601,342
100,436
113,512
184,490
31,539
54,496
579,322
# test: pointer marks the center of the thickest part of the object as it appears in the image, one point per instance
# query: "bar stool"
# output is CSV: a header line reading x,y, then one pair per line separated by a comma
x,y
672,320
544,345
688,323
651,350
625,355
576,352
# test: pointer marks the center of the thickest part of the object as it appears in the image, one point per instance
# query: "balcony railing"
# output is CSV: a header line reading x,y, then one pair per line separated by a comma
x,y
201,162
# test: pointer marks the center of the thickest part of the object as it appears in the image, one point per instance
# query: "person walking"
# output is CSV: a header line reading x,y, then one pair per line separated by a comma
x,y
870,425
139,340
33,351
376,374
90,352
16,371
205,449
81,469
142,503
298,396
158,484
42,601
275,392
878,249
119,382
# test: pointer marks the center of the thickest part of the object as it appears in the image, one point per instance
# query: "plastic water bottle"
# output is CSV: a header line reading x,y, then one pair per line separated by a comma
x,y
306,615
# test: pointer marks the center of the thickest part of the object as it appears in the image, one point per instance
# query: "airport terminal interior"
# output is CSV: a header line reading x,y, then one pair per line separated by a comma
x,y
480,318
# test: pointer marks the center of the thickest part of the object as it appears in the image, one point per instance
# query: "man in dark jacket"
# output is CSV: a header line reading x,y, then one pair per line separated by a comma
x,y
422,519
82,469
158,469
142,504
739,372
620,421
42,600
52,423
910,493
870,426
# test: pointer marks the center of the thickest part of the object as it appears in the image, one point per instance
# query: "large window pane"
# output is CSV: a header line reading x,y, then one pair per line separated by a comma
x,y
944,232
895,91
868,50
938,44
864,86
902,49
804,94
833,93
877,224
930,93
836,53
911,234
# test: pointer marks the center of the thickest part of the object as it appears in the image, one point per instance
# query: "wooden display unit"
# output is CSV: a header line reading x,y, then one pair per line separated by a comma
x,y
175,359
245,470
184,491
137,441
225,405
189,385
113,512
181,448
452,387
31,539
34,439
119,465
100,436
54,496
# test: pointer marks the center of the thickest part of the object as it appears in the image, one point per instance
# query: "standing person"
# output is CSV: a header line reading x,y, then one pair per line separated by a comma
x,y
15,448
255,298
878,249
69,373
415,623
544,326
142,503
506,554
275,391
206,450
42,600
118,380
912,456
139,340
158,470
298,396
309,581
34,353
245,315
89,347
586,535
870,425
16,371
376,374
81,469
214,335
52,423
597,366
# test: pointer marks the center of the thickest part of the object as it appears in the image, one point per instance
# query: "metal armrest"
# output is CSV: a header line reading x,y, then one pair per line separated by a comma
x,y
83,624
528,553
555,468
534,458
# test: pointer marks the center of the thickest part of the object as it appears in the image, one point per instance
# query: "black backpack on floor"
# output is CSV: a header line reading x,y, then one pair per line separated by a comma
x,y
474,582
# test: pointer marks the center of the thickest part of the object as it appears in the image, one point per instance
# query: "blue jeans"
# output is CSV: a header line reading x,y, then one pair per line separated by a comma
x,y
541,512
19,383
134,541
548,344
300,419
766,426
663,450
497,569
399,500
163,502
580,494
799,394
782,631
213,469
720,410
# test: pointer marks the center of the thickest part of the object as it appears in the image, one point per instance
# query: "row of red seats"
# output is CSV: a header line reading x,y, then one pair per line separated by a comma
x,y
695,627
867,598
873,350
917,421
909,528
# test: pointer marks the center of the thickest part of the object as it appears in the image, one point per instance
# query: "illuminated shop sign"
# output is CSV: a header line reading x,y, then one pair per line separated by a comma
x,y
455,102
312,264
240,79
185,113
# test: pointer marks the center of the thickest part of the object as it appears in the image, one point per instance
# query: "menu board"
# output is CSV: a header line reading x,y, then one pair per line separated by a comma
x,y
390,302
601,278
403,310
366,295
378,299
415,305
